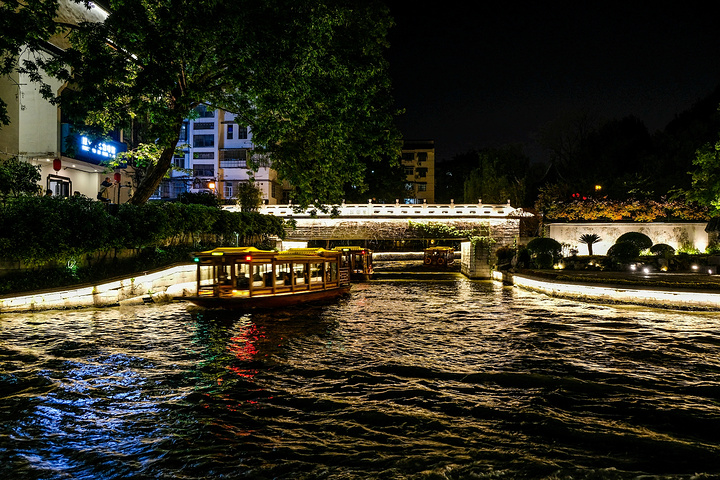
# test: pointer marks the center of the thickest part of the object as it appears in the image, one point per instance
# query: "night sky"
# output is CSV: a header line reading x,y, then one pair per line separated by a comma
x,y
480,74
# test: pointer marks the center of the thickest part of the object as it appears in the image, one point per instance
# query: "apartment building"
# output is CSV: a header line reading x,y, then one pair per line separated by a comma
x,y
215,152
418,159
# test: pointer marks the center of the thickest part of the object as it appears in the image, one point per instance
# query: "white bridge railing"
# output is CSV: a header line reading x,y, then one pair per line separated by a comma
x,y
401,210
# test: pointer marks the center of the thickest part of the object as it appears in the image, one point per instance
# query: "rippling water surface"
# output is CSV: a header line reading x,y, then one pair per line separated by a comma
x,y
416,379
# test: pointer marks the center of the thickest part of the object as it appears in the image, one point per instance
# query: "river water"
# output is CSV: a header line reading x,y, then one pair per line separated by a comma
x,y
417,378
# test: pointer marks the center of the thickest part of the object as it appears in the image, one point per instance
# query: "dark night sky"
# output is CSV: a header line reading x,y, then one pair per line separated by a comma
x,y
476,74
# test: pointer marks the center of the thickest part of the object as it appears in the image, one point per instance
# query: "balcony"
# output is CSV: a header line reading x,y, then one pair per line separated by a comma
x,y
233,163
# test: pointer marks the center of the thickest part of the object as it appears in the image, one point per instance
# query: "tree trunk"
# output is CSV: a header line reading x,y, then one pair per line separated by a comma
x,y
156,173
153,177
590,248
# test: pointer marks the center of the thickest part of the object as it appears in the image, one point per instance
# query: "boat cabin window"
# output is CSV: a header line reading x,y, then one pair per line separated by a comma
x,y
262,275
301,274
283,274
317,271
207,275
332,272
242,276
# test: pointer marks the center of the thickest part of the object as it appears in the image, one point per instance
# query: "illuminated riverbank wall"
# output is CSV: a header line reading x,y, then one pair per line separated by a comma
x,y
155,286
646,296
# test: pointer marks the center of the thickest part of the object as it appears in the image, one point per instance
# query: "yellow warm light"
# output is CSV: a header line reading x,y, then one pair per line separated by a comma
x,y
622,295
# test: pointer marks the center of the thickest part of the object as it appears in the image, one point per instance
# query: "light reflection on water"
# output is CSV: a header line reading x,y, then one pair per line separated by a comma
x,y
401,379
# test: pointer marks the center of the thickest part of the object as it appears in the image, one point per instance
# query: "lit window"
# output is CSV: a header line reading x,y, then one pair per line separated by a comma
x,y
200,141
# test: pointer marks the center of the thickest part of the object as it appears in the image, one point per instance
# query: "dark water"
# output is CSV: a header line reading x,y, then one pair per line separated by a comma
x,y
401,380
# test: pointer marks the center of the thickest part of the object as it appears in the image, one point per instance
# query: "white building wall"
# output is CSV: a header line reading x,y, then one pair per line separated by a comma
x,y
673,234
226,175
34,132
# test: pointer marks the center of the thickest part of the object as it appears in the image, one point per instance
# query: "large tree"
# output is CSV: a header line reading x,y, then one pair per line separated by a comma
x,y
309,78
500,176
705,188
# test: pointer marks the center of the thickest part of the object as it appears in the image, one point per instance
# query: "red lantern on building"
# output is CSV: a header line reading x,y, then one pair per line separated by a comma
x,y
57,165
117,177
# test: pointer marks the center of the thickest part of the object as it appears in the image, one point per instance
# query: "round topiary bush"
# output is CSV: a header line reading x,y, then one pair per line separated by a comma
x,y
543,260
544,251
544,245
623,252
662,249
638,239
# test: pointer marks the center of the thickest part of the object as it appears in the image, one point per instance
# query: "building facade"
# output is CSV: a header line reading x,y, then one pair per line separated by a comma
x,y
214,150
36,133
418,160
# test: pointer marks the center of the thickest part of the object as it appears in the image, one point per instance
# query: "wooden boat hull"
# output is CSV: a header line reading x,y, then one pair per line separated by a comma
x,y
265,302
361,277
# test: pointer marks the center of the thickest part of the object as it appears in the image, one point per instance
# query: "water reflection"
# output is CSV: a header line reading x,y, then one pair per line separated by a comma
x,y
401,379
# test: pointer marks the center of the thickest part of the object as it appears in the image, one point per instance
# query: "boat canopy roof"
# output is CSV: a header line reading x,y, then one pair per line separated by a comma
x,y
268,255
233,251
321,252
440,249
352,248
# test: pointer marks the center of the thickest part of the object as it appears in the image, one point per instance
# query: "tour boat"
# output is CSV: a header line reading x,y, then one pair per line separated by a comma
x,y
359,260
247,278
439,256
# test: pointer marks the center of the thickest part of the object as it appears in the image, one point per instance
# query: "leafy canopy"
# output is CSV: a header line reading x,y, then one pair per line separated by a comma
x,y
308,78
706,178
18,178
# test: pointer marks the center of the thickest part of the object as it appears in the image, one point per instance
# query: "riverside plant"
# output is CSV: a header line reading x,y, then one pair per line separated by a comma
x,y
589,239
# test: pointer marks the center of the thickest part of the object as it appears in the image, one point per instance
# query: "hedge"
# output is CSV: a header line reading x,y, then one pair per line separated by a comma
x,y
40,230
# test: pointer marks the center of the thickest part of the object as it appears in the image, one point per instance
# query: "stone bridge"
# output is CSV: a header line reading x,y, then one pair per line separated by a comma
x,y
359,222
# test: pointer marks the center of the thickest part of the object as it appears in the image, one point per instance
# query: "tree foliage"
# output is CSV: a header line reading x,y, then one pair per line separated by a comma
x,y
308,78
249,197
589,239
25,26
18,178
611,210
706,177
499,177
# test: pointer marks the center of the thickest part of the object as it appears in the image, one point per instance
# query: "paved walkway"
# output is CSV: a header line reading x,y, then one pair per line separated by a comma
x,y
702,282
687,291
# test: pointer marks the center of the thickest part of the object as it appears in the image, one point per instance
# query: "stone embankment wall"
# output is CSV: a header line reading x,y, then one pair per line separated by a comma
x,y
478,261
674,234
608,294
155,286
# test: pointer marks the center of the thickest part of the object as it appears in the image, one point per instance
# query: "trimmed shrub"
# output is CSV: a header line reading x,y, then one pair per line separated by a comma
x,y
640,240
544,260
540,245
662,250
544,251
623,252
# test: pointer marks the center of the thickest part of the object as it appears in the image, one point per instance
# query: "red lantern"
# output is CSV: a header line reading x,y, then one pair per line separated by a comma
x,y
57,164
117,177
